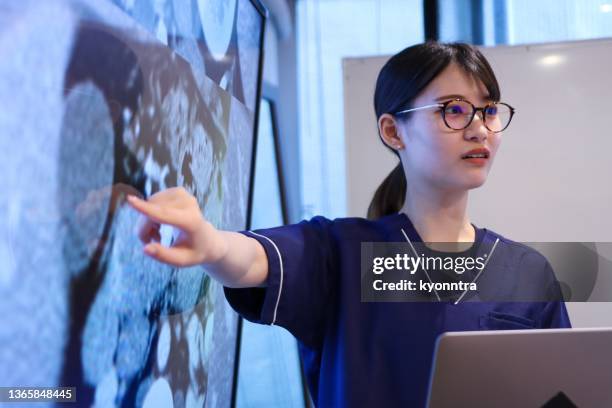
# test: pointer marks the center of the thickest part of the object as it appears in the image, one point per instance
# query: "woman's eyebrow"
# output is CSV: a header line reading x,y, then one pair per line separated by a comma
x,y
454,96
446,97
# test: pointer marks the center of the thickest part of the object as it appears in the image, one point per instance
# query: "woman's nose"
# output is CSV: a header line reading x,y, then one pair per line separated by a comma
x,y
477,131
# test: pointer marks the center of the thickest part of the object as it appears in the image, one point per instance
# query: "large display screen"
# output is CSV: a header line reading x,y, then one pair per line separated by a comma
x,y
101,99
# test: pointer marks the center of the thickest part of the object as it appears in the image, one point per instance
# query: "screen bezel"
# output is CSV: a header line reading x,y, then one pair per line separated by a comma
x,y
264,18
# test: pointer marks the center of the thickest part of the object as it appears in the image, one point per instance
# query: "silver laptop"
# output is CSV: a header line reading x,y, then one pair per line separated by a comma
x,y
523,368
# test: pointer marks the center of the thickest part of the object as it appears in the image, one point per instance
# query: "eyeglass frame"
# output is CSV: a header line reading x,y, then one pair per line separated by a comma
x,y
442,106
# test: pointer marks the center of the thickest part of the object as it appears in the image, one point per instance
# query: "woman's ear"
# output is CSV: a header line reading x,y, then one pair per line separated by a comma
x,y
388,128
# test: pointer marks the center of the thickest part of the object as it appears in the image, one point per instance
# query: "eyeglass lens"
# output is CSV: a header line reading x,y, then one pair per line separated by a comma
x,y
459,114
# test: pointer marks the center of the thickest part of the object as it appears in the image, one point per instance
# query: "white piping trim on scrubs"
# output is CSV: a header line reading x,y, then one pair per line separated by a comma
x,y
475,278
280,258
481,269
424,270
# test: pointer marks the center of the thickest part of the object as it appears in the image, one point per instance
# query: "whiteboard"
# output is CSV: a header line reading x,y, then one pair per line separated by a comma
x,y
551,178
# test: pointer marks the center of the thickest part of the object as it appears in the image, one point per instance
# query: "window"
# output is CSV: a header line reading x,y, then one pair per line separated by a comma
x,y
269,372
327,31
555,20
524,21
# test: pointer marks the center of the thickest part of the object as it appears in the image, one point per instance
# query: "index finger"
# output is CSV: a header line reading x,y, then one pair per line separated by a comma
x,y
161,215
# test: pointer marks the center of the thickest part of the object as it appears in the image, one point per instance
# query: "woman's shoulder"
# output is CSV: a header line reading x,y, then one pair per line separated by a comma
x,y
516,251
359,227
531,269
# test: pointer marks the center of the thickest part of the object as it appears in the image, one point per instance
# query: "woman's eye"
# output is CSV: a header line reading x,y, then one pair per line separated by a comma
x,y
455,110
492,110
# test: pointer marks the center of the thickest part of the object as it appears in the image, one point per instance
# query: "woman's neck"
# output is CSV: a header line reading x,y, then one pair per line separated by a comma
x,y
439,216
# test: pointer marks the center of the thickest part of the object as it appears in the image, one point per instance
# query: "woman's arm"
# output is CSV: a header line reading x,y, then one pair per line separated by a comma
x,y
231,258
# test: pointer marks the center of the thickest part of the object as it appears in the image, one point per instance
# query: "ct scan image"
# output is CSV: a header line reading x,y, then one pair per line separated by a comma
x,y
102,99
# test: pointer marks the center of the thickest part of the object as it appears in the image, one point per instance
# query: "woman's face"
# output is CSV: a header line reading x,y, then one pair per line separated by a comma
x,y
434,153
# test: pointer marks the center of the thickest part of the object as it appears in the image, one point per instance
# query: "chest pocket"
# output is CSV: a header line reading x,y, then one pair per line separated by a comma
x,y
505,321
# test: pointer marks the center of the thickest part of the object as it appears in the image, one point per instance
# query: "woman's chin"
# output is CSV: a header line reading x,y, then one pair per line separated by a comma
x,y
475,182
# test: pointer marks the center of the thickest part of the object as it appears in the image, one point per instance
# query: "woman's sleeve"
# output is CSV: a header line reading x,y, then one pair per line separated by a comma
x,y
302,271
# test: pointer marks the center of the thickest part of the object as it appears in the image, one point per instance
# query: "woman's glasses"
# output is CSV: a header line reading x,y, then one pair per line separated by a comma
x,y
459,113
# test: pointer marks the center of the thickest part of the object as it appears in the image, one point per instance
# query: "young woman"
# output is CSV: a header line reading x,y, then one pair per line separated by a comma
x,y
438,108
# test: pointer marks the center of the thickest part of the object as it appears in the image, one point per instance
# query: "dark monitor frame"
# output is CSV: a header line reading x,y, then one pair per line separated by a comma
x,y
270,95
264,14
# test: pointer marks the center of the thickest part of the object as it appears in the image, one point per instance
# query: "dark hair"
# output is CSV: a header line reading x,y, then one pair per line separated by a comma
x,y
400,81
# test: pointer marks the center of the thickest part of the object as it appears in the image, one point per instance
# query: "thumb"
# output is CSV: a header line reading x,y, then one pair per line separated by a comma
x,y
176,255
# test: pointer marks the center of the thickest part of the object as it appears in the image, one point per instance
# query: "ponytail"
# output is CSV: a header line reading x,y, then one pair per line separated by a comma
x,y
389,196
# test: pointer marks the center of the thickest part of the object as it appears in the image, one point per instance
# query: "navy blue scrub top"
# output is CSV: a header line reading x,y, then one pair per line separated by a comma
x,y
362,354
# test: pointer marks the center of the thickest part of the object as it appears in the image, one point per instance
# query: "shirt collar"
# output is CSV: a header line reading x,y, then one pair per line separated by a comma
x,y
394,224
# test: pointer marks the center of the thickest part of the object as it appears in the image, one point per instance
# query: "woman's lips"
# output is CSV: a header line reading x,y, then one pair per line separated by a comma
x,y
478,161
478,156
